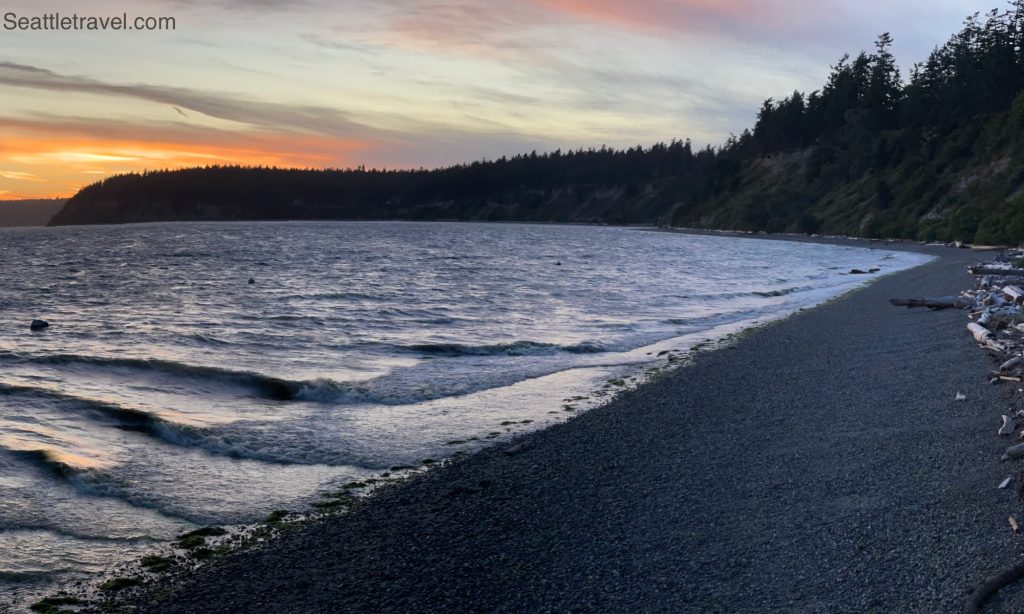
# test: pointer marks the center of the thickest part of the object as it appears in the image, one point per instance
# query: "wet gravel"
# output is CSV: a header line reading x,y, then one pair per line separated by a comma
x,y
820,464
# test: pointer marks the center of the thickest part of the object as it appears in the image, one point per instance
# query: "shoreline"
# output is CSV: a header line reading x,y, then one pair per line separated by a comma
x,y
441,493
728,329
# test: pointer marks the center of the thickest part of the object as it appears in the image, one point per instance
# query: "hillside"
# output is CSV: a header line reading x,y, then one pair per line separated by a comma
x,y
29,212
936,155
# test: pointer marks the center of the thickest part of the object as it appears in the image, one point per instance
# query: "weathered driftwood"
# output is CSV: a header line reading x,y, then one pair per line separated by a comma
x,y
1015,451
995,271
980,594
981,334
985,337
985,318
939,302
1014,293
1008,426
1009,364
1005,483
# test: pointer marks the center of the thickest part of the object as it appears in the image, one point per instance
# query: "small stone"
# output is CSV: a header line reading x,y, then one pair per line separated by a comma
x,y
961,396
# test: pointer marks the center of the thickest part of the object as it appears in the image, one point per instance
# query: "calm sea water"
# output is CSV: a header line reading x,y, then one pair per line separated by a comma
x,y
170,392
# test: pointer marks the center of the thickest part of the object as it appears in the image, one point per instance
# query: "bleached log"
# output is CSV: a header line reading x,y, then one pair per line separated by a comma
x,y
1007,427
996,349
1014,294
985,317
981,334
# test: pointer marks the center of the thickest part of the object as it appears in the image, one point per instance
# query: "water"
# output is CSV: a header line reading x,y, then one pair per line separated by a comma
x,y
171,393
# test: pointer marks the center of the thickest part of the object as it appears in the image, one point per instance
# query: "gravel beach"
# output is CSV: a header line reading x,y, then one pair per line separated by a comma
x,y
819,464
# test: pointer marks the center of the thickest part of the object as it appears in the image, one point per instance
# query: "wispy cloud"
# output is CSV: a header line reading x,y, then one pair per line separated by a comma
x,y
19,176
320,120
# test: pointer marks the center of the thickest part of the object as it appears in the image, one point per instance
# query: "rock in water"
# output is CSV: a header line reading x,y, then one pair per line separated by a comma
x,y
252,280
39,325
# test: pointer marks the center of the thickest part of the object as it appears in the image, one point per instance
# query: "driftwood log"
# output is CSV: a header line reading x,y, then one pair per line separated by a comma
x,y
981,593
1014,293
995,271
940,302
1013,452
985,318
981,334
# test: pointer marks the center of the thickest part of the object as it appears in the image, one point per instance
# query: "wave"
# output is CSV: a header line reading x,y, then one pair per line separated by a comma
x,y
322,390
514,348
59,531
45,460
783,292
30,575
241,440
265,386
129,419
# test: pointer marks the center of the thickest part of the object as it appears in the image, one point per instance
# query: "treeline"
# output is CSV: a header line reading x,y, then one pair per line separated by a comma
x,y
936,155
596,185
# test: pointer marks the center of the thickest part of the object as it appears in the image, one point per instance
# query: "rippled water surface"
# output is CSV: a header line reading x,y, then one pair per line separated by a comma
x,y
170,392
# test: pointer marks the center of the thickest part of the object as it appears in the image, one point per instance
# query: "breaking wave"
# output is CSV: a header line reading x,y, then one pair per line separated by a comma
x,y
514,348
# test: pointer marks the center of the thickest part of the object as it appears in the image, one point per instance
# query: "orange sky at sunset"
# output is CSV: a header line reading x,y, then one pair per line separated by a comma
x,y
410,83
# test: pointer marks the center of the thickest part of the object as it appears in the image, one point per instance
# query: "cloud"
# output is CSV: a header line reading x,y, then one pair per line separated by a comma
x,y
315,119
18,176
263,119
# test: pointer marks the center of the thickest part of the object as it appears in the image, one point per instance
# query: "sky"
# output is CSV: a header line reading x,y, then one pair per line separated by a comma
x,y
410,83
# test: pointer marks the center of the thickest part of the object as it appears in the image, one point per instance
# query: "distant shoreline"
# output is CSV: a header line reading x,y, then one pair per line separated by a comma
x,y
29,213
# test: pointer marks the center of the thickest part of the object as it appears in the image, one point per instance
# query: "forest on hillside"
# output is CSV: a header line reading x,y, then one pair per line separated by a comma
x,y
937,153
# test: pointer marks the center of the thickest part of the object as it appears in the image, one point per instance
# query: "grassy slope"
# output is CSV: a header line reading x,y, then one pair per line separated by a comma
x,y
967,183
